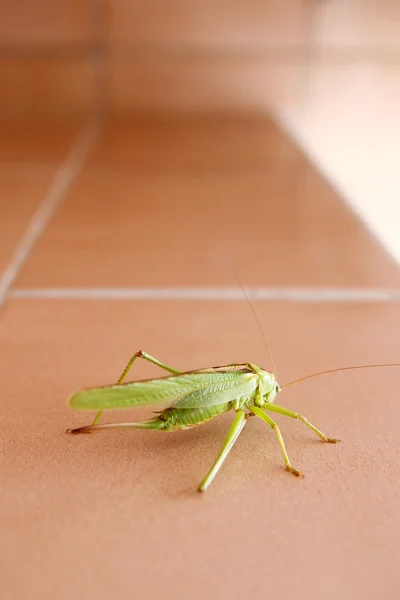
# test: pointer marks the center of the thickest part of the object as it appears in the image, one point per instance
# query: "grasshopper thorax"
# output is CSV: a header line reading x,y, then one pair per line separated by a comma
x,y
267,388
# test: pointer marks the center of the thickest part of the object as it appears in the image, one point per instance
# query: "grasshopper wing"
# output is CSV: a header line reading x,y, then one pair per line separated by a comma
x,y
195,389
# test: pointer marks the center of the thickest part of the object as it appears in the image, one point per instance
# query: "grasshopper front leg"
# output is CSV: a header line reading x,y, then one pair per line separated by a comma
x,y
145,356
294,415
259,413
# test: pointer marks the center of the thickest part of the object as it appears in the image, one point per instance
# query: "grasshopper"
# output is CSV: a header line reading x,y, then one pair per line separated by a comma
x,y
192,398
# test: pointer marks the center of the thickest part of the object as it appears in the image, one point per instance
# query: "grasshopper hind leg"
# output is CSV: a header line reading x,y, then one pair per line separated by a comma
x,y
144,356
156,423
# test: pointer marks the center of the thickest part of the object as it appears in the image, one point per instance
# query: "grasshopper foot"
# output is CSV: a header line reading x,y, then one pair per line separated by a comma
x,y
294,471
79,430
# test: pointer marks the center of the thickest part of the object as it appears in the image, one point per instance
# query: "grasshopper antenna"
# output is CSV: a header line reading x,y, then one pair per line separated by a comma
x,y
340,369
257,320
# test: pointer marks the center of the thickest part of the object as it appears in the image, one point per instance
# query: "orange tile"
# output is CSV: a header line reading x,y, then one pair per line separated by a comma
x,y
283,226
45,85
357,24
117,512
194,144
46,22
37,141
236,23
22,190
169,82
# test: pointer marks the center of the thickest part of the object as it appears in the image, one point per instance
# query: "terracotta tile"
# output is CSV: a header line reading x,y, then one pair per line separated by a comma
x,y
116,512
167,82
45,22
45,85
208,23
357,24
194,144
22,190
283,226
37,141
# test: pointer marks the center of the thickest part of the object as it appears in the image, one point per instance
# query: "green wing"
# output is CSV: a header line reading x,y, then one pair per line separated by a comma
x,y
208,387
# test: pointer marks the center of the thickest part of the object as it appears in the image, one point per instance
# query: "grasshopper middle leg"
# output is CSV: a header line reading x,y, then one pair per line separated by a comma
x,y
233,434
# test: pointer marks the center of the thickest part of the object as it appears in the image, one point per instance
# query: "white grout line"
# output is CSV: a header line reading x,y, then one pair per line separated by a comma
x,y
61,182
308,294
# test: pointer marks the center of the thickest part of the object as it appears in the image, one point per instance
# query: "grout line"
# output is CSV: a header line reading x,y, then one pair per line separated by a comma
x,y
62,51
325,54
306,294
99,56
61,182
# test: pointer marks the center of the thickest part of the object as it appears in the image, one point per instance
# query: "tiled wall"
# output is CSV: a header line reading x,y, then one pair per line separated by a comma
x,y
74,55
47,51
328,69
168,54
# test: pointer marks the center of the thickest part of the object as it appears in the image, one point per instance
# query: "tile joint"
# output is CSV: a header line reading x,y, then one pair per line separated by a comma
x,y
59,186
282,294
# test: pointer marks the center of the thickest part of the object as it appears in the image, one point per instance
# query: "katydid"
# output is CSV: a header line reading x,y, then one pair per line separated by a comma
x,y
192,398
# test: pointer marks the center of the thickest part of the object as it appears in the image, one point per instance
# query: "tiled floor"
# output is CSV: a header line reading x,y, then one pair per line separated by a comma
x,y
154,207
174,204
30,156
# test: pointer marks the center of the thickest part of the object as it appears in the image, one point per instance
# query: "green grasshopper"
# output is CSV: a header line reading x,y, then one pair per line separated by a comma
x,y
195,397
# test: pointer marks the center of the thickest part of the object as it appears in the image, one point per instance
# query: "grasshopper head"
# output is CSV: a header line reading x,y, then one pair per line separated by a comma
x,y
272,394
268,386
